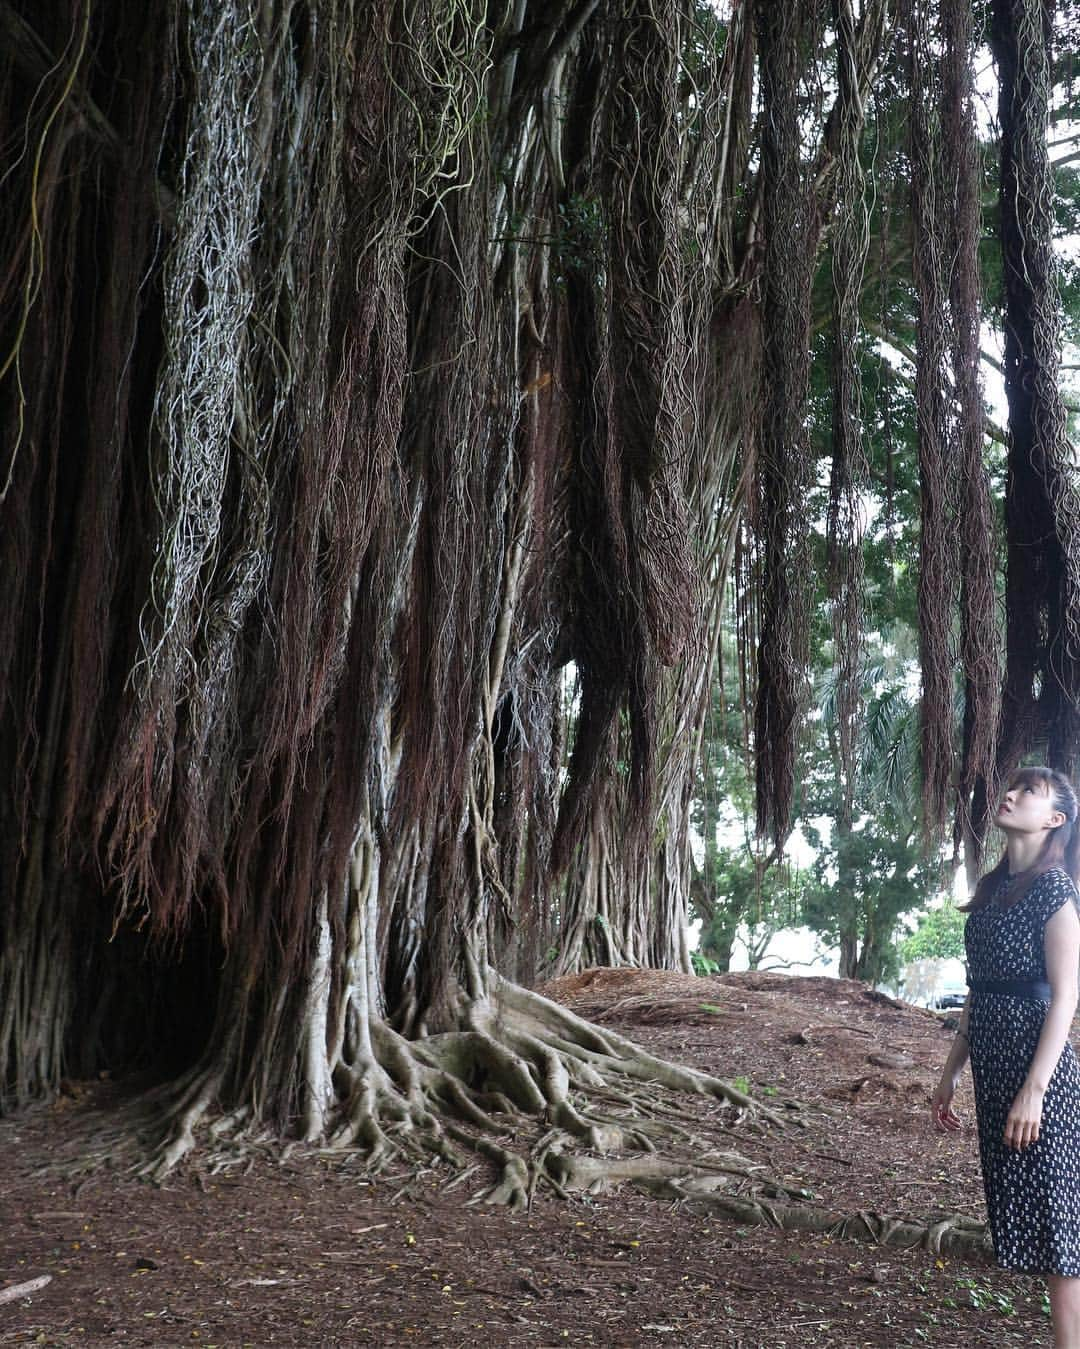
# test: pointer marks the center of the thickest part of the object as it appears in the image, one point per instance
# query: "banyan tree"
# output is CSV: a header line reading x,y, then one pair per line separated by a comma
x,y
396,398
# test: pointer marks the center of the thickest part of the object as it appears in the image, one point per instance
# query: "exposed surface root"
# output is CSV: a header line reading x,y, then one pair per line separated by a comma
x,y
190,1111
542,1094
668,1177
615,1058
522,1084
954,1234
523,1094
543,1097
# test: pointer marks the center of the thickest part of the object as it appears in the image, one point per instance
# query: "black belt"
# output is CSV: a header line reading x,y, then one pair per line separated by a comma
x,y
1012,988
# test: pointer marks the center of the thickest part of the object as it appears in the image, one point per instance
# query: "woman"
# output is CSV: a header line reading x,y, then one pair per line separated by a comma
x,y
1023,943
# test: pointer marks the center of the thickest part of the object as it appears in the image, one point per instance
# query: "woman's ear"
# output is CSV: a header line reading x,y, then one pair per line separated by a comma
x,y
1055,819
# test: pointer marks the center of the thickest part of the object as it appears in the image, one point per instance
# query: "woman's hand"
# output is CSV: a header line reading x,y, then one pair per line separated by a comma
x,y
1024,1119
944,1116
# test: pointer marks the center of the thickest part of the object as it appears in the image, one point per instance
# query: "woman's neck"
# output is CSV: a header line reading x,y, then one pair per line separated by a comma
x,y
1024,850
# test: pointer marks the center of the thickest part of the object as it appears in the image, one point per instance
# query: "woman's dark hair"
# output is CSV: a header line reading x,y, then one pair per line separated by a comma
x,y
1061,849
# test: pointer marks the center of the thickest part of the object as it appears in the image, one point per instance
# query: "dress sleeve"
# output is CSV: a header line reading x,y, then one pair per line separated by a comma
x,y
1053,889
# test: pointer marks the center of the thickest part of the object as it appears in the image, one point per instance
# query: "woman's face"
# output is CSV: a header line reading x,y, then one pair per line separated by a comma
x,y
1028,808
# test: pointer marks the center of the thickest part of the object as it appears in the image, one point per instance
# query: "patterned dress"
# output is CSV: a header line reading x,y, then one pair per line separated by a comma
x,y
1032,1196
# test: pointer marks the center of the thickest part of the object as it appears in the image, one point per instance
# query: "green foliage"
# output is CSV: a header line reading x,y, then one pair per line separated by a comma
x,y
578,242
765,900
582,233
1067,212
870,867
704,41
738,888
868,878
938,935
984,1297
867,834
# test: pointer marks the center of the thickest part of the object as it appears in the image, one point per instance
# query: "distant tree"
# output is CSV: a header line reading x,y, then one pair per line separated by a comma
x,y
872,863
744,893
739,883
939,934
867,878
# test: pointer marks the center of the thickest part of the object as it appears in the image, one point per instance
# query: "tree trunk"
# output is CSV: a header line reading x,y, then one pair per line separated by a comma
x,y
369,373
354,389
1041,691
849,953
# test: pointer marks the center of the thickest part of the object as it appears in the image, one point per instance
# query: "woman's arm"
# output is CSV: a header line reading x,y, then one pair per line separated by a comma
x,y
942,1113
1061,939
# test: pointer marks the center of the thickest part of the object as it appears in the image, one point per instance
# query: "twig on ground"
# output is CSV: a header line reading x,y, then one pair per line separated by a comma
x,y
18,1290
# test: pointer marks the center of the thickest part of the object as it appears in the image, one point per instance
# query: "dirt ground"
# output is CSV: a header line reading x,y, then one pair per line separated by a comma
x,y
304,1251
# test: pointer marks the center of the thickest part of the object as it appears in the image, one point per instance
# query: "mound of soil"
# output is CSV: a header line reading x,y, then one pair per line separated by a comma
x,y
302,1249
